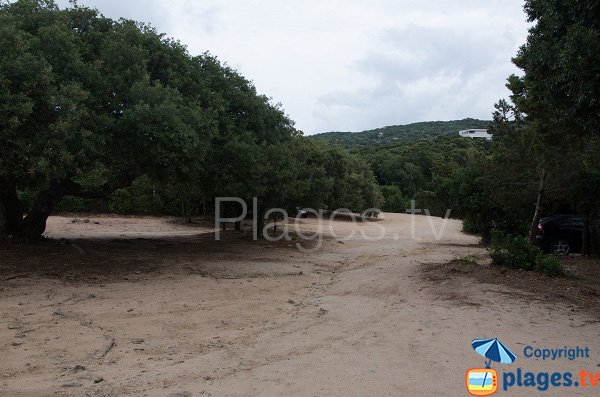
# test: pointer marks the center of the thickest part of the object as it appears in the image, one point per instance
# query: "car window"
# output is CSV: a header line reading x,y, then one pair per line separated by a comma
x,y
577,222
565,222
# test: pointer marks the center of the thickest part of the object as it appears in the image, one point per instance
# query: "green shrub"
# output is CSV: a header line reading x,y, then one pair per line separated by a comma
x,y
135,199
516,252
512,251
78,204
549,265
473,224
394,200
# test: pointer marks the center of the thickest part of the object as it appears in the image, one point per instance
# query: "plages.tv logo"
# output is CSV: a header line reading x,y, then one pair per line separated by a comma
x,y
484,381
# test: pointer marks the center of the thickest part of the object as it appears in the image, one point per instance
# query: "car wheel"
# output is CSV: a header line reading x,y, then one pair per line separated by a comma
x,y
561,247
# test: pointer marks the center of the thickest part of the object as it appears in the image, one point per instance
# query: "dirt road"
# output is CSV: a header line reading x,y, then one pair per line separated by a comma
x,y
152,308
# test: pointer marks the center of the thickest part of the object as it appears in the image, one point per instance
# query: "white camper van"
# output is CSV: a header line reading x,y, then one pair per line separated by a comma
x,y
475,133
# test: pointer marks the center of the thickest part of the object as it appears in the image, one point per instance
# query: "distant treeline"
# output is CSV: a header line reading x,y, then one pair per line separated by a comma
x,y
399,133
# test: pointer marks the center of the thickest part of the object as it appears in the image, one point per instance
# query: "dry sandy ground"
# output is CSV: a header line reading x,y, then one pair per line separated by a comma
x,y
148,307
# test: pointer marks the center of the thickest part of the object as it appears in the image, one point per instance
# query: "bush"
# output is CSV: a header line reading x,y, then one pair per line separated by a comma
x,y
512,251
473,223
78,204
516,252
135,199
549,265
394,200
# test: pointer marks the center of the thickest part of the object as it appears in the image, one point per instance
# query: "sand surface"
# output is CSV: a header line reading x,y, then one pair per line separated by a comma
x,y
149,307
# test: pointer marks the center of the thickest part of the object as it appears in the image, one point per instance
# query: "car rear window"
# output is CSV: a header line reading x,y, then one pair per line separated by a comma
x,y
577,221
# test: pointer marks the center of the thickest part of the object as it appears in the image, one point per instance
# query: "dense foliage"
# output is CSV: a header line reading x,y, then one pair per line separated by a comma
x,y
91,106
109,115
398,133
431,172
558,95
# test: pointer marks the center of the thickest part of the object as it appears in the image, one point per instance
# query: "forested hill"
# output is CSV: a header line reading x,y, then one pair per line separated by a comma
x,y
385,135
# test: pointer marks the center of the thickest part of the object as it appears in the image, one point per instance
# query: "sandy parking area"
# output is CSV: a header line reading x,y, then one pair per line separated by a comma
x,y
148,307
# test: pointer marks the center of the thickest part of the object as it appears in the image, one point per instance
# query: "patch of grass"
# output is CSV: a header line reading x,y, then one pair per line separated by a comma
x,y
464,264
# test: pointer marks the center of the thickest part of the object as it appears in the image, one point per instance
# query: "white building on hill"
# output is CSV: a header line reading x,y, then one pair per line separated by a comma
x,y
475,133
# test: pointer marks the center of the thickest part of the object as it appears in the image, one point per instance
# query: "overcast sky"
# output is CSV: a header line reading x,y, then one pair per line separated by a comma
x,y
351,65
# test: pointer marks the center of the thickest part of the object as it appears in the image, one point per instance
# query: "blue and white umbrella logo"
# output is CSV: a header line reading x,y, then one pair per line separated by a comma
x,y
493,350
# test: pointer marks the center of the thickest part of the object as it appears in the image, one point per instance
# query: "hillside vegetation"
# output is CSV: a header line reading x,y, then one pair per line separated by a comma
x,y
395,133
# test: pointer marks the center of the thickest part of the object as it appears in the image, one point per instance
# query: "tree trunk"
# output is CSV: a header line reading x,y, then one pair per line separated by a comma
x,y
538,204
595,237
12,204
204,208
260,221
187,209
3,222
34,224
11,207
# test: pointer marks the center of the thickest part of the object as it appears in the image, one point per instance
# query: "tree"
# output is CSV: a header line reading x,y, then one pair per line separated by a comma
x,y
84,115
561,85
91,105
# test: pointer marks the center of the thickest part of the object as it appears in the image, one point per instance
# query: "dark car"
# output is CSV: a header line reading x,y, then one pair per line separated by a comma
x,y
562,234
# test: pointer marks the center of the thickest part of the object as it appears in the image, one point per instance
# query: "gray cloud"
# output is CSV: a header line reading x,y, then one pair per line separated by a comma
x,y
340,65
427,73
